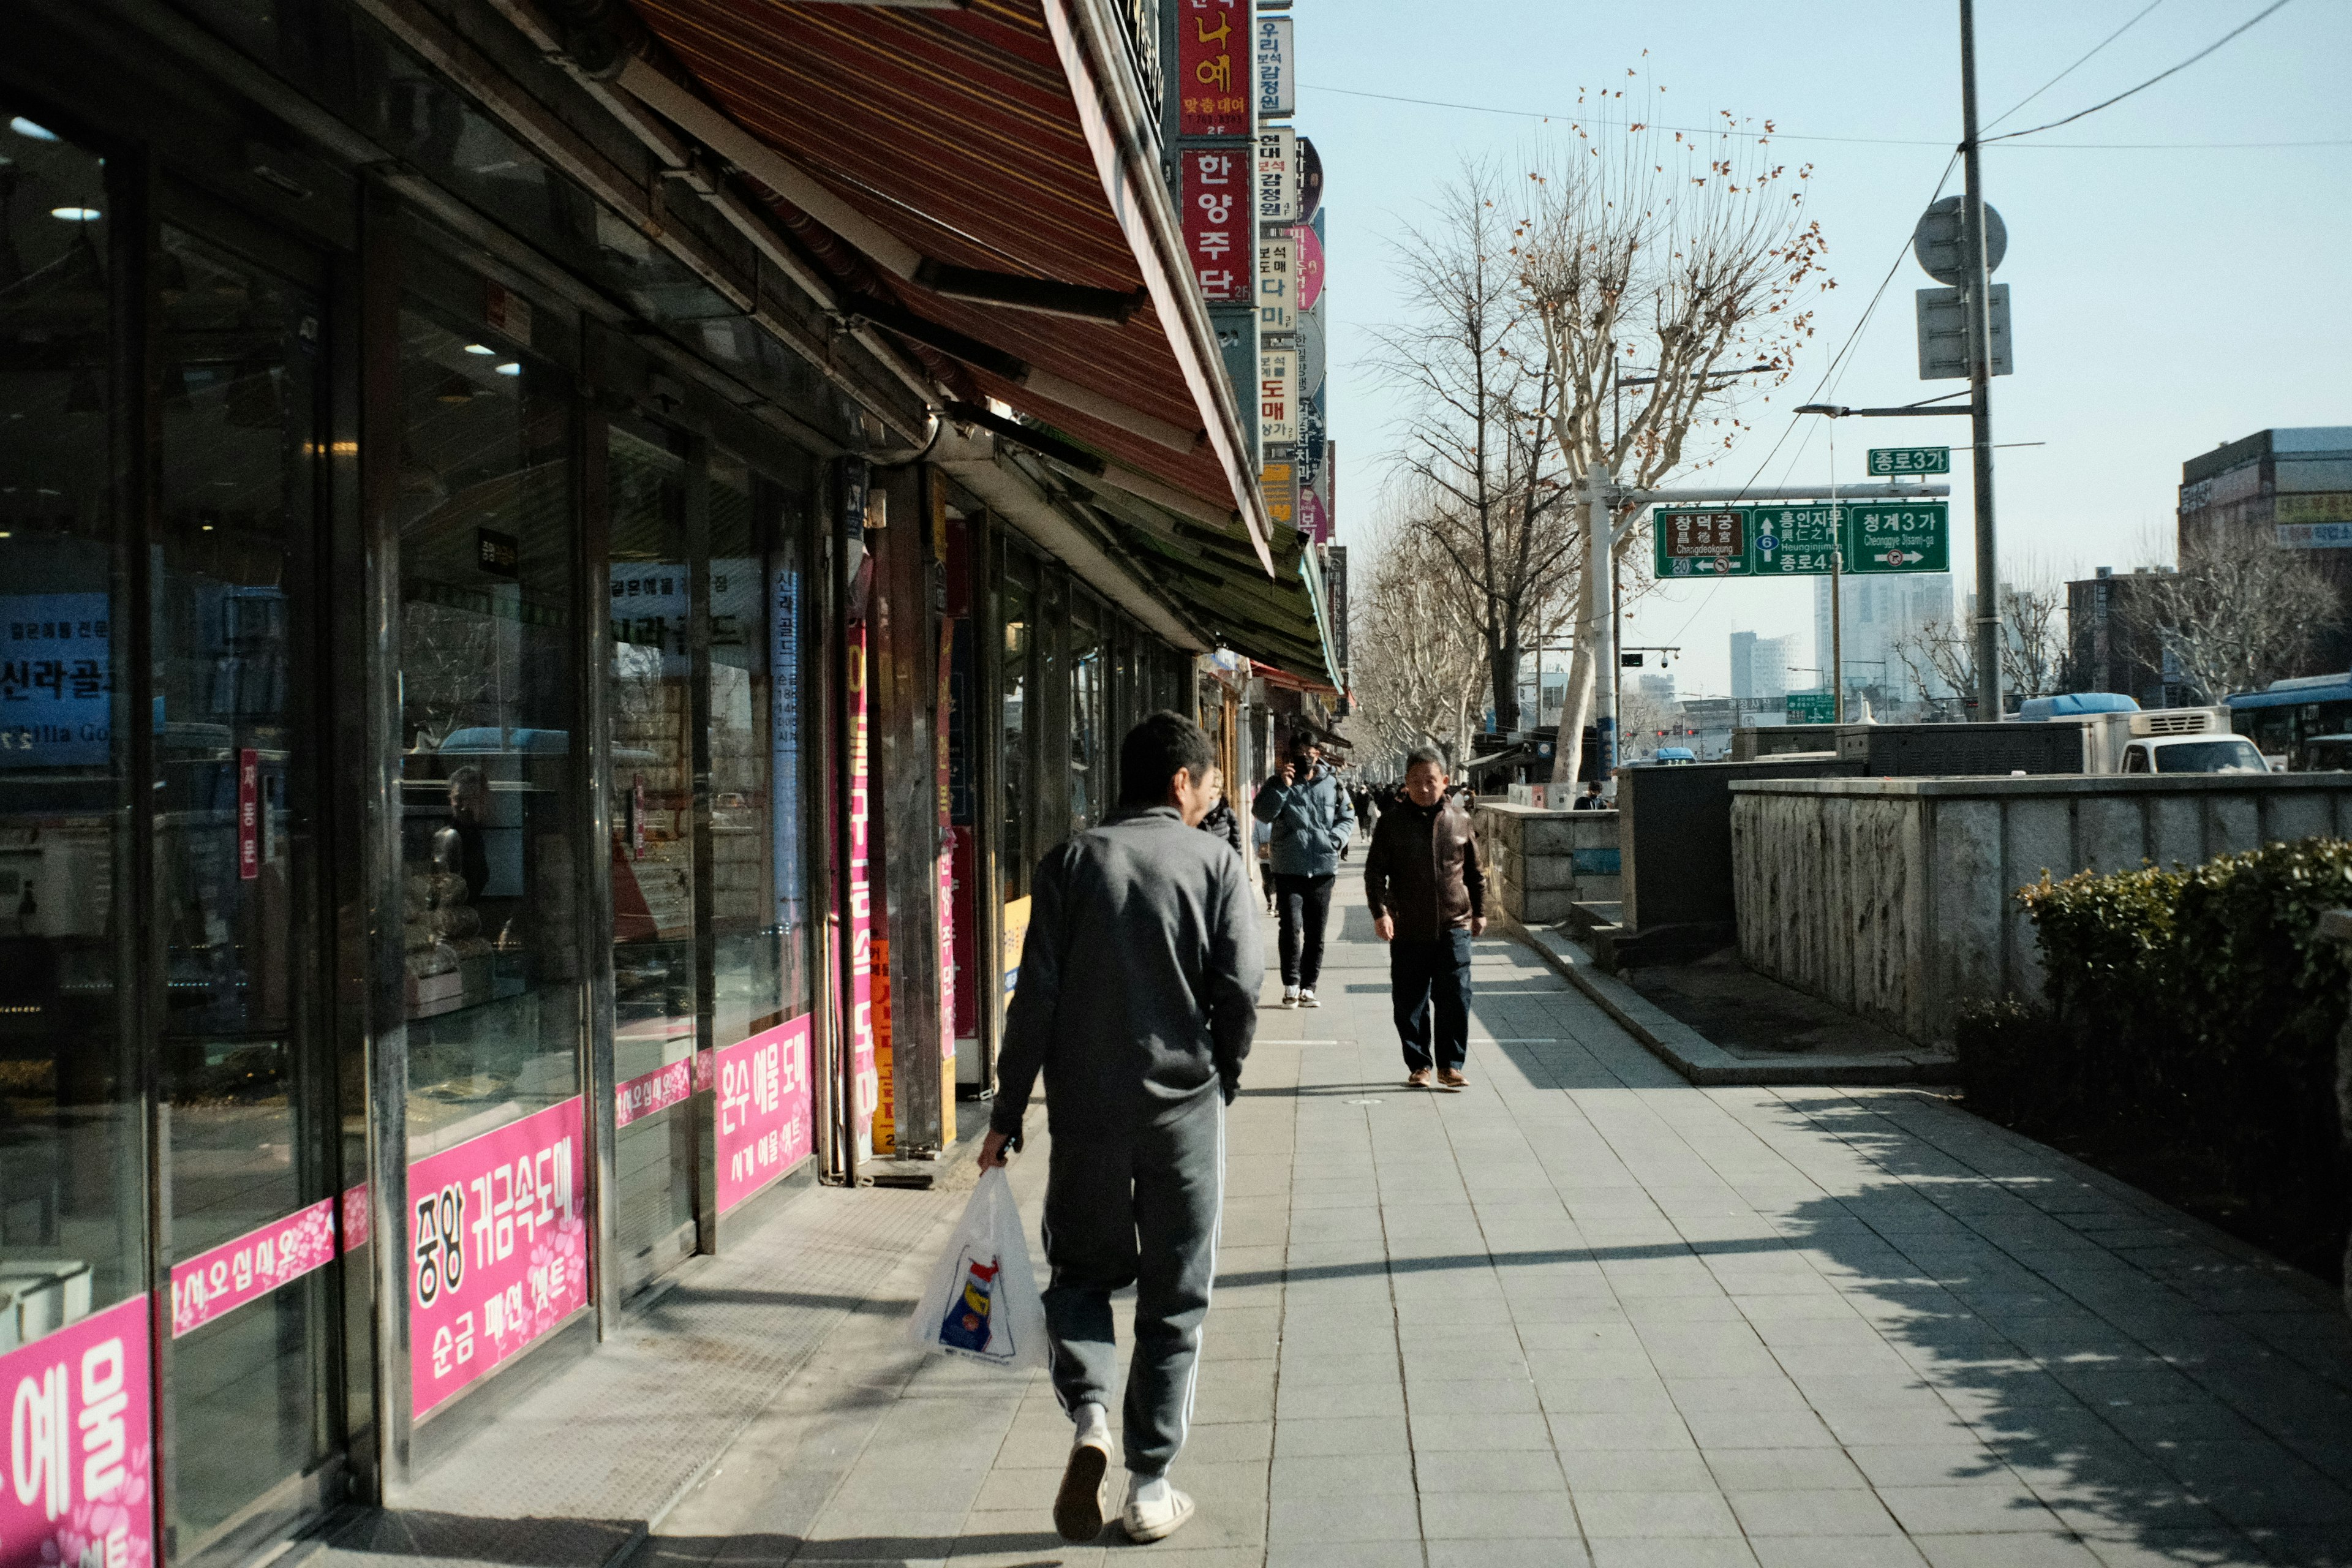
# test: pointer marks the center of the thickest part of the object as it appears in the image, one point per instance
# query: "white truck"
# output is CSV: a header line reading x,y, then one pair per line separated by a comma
x,y
2166,740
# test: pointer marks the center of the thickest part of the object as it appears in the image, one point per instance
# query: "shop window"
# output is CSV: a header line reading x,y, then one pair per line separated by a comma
x,y
761,965
1089,773
72,1218
1017,606
655,973
489,803
249,1136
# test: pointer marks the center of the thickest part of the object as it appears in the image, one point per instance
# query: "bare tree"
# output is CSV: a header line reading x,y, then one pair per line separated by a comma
x,y
1465,363
2241,612
2033,654
1418,660
1655,269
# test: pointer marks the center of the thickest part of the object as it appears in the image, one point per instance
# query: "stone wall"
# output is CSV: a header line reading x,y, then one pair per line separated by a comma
x,y
1894,897
1540,862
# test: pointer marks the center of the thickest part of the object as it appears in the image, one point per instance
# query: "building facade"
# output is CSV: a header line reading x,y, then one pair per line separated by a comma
x,y
1882,613
2286,489
556,583
2113,643
1760,666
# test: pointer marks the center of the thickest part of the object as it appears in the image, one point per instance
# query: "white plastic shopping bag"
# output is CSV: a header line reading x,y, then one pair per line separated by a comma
x,y
981,1300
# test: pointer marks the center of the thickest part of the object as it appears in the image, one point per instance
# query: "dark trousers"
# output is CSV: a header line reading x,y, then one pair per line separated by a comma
x,y
1306,905
1426,971
1135,1207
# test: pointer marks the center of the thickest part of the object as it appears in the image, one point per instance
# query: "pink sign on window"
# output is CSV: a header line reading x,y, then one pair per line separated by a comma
x,y
251,1267
767,1124
498,1249
249,815
355,1217
79,1464
864,1065
656,1090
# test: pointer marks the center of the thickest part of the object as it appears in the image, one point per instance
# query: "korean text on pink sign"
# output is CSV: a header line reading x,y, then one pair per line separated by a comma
x,y
498,1249
78,1483
767,1122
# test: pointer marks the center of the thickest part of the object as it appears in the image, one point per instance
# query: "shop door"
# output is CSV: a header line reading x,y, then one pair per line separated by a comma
x,y
247,1125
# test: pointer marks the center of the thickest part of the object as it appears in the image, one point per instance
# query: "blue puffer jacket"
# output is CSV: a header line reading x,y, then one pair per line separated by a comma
x,y
1311,820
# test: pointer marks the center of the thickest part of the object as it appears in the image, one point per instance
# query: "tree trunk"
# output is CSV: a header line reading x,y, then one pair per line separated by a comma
x,y
1577,711
1503,661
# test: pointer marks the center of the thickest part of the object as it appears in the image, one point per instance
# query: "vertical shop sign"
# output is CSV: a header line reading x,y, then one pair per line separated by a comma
x,y
1277,175
785,823
498,1249
1307,263
864,1066
1278,73
1277,402
1013,934
1277,286
943,752
1280,482
1212,67
248,813
1219,237
77,1490
213,1283
766,1114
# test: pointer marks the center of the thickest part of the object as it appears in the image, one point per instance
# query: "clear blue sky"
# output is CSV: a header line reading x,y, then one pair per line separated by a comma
x,y
2165,298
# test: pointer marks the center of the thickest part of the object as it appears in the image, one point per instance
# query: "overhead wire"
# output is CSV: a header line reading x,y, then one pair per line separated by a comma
x,y
2137,18
2268,11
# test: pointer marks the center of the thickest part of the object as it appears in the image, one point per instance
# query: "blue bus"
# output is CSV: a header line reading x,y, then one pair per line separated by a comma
x,y
2307,721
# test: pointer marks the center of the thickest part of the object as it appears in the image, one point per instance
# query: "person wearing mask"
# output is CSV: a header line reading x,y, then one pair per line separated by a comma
x,y
1590,799
1311,824
1428,896
1138,1000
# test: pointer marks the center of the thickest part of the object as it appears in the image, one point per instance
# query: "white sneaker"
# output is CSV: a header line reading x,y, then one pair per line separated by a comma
x,y
1290,995
1077,1508
1306,998
1155,1510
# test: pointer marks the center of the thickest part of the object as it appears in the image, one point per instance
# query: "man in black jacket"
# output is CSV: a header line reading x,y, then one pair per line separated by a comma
x,y
1137,998
1429,899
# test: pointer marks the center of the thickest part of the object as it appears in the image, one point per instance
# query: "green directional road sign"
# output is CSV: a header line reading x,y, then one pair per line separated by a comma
x,y
1796,540
1790,541
1703,542
1889,536
1812,707
1893,462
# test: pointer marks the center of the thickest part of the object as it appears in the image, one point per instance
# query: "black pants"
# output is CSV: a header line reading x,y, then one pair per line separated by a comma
x,y
1306,905
1433,969
1135,1205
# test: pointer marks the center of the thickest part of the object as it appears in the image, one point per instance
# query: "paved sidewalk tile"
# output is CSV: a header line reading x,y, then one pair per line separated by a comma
x,y
1584,1314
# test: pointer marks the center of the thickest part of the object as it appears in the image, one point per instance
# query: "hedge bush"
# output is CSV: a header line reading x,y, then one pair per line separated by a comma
x,y
2196,1005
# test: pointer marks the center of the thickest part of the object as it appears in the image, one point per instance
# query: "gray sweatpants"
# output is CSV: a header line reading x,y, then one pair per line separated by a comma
x,y
1135,1205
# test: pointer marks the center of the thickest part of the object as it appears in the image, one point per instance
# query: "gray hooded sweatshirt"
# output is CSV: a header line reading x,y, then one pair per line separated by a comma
x,y
1138,979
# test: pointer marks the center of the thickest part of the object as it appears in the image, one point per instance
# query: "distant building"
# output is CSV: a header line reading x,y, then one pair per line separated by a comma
x,y
1883,610
2295,486
1760,666
2112,642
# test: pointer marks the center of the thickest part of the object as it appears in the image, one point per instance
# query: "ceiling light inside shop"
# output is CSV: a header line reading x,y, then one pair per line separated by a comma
x,y
483,349
454,389
75,215
24,127
510,368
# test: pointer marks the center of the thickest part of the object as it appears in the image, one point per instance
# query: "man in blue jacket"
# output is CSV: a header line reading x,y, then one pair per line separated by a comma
x,y
1312,823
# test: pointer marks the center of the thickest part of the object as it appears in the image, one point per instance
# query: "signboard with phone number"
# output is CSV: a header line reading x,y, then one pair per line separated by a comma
x,y
1796,540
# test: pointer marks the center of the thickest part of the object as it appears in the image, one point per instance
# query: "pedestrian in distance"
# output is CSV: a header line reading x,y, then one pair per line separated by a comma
x,y
1311,824
1590,799
1138,1000
1223,822
1428,896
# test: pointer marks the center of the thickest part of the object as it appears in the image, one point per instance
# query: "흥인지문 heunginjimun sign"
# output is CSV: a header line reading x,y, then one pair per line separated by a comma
x,y
498,1249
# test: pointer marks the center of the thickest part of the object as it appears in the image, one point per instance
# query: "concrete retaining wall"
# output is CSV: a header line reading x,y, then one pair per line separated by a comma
x,y
1540,862
1894,898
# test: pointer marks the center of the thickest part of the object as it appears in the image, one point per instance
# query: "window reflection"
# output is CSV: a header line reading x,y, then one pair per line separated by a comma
x,y
71,1219
1017,608
488,817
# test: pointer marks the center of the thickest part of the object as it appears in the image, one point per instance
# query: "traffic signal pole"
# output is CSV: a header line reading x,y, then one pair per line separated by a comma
x,y
1979,316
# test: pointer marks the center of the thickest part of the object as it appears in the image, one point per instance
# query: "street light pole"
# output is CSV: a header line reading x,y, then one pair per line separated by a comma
x,y
1980,317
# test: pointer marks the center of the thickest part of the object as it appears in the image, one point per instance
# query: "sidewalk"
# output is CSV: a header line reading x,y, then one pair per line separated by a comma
x,y
1587,1312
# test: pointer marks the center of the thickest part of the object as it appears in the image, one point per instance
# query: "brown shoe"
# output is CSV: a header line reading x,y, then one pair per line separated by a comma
x,y
1417,1080
1449,1079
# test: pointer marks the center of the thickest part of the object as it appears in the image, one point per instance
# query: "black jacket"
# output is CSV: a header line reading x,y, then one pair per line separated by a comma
x,y
1423,871
1223,823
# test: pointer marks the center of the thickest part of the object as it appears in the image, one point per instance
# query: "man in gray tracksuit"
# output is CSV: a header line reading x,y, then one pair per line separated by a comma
x,y
1137,998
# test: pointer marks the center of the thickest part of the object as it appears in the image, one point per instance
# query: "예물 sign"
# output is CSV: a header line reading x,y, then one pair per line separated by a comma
x,y
498,1249
767,1122
77,1486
